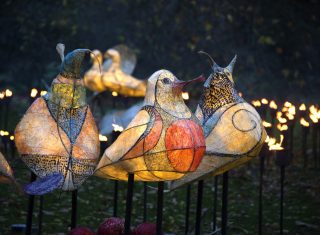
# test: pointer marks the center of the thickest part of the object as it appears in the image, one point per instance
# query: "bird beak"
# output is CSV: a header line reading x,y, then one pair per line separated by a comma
x,y
181,84
178,85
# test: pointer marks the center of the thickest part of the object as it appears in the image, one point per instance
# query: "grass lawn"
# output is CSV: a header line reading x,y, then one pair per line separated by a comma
x,y
95,202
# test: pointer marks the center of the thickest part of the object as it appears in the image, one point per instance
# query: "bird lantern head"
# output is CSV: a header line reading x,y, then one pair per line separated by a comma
x,y
67,90
162,87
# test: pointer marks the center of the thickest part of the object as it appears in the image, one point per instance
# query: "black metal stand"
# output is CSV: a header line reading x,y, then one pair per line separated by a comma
x,y
314,144
145,200
127,222
30,208
262,159
282,175
160,207
224,211
199,208
186,229
215,200
115,198
40,215
74,209
304,146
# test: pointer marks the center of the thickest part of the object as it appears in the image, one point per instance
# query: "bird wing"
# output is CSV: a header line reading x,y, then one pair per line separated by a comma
x,y
128,58
128,139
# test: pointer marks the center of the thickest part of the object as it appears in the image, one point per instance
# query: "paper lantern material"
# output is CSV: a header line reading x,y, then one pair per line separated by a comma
x,y
6,173
57,138
116,73
163,142
233,129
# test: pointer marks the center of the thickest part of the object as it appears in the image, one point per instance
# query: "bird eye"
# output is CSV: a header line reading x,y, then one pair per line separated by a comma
x,y
166,80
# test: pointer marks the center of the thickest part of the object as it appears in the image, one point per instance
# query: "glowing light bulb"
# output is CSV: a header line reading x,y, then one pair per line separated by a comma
x,y
185,95
33,92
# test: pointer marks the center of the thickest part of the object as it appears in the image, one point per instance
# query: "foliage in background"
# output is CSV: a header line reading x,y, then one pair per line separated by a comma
x,y
277,42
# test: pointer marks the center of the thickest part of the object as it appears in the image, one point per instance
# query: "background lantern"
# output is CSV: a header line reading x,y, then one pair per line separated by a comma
x,y
233,129
57,137
116,73
151,146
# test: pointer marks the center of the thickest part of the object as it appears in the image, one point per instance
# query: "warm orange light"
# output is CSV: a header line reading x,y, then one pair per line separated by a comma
x,y
302,107
273,104
287,104
114,93
8,93
264,101
42,93
11,137
313,118
185,95
4,133
103,138
2,95
276,146
282,127
256,103
292,110
33,92
117,127
303,122
285,109
266,124
313,109
280,118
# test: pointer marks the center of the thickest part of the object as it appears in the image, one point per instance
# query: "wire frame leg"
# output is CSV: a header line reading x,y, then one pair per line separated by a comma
x,y
160,207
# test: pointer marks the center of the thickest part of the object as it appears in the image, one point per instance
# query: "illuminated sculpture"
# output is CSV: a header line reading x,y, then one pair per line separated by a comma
x,y
57,137
163,142
233,129
6,173
93,77
116,74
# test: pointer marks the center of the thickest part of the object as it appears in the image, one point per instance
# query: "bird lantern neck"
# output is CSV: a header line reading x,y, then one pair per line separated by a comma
x,y
67,90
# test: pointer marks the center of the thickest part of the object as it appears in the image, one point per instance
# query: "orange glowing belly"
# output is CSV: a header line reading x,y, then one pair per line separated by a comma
x,y
185,144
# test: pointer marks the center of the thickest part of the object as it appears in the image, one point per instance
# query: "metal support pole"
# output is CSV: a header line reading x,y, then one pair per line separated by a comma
x,y
74,209
115,198
282,175
224,211
160,207
30,208
199,208
145,200
40,215
127,222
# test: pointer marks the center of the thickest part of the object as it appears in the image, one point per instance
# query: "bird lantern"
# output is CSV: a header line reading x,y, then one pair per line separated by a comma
x,y
6,173
57,138
233,129
116,73
164,141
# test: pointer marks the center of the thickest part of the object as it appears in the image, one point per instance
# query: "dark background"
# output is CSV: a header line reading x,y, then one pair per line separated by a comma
x,y
277,42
